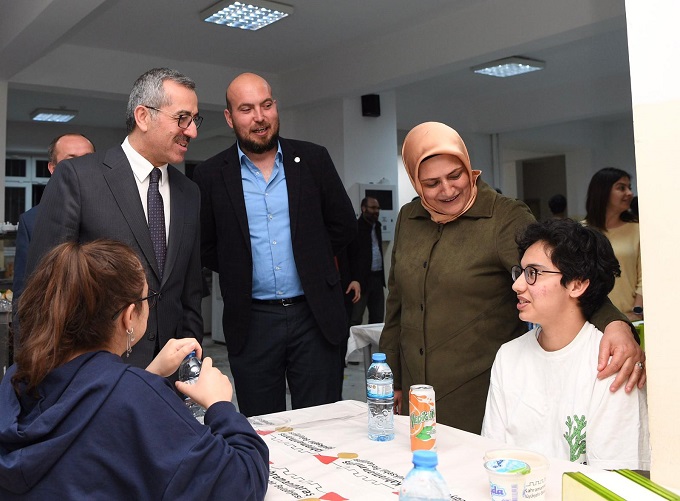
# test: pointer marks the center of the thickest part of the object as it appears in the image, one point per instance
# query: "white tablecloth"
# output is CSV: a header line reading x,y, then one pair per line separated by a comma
x,y
324,453
363,337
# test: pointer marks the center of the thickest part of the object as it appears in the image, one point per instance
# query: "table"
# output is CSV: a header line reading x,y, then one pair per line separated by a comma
x,y
362,337
324,453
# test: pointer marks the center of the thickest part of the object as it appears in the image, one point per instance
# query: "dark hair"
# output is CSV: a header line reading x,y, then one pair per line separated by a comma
x,y
69,302
364,201
599,189
148,90
51,153
580,253
557,204
635,208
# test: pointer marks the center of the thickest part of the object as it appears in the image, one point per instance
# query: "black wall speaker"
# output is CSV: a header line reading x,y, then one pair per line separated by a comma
x,y
370,105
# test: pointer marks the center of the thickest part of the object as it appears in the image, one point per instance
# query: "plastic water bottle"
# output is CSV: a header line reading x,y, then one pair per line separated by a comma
x,y
424,482
189,370
380,398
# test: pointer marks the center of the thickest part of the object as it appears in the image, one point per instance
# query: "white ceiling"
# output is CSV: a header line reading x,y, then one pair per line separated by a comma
x,y
85,55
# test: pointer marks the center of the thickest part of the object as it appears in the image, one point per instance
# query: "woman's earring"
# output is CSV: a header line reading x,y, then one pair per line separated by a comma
x,y
130,339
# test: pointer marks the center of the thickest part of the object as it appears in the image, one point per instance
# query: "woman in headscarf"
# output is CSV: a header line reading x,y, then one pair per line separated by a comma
x,y
450,304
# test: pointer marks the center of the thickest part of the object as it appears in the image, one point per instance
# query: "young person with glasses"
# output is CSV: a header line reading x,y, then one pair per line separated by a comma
x,y
544,393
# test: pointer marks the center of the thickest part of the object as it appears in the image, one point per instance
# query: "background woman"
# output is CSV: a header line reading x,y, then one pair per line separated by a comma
x,y
450,304
76,422
607,206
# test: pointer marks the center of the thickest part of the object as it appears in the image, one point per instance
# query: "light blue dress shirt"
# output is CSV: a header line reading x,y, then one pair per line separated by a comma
x,y
274,273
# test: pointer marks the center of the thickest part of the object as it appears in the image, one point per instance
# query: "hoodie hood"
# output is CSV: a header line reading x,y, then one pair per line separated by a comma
x,y
35,432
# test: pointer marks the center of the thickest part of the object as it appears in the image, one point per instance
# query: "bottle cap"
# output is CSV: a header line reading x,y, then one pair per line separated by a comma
x,y
192,354
379,357
425,458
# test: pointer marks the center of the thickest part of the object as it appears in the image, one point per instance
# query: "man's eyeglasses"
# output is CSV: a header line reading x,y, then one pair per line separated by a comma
x,y
530,273
183,121
152,298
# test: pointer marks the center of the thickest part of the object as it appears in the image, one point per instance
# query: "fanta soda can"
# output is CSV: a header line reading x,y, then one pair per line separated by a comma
x,y
423,417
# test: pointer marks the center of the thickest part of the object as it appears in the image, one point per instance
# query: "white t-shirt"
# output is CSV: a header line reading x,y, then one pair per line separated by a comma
x,y
553,403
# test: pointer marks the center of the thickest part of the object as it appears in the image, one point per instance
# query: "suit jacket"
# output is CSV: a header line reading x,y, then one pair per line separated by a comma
x,y
361,251
24,233
348,273
322,224
96,196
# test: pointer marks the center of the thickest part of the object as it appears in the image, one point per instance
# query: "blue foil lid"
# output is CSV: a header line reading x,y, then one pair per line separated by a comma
x,y
508,466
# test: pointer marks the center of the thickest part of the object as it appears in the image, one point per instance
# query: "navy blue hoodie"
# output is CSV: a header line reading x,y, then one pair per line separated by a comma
x,y
101,429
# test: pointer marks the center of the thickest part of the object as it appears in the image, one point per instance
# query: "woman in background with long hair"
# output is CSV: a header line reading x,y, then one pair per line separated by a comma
x,y
607,206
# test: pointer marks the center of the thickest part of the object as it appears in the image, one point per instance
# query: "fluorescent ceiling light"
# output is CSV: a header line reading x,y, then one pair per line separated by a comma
x,y
509,67
246,15
45,115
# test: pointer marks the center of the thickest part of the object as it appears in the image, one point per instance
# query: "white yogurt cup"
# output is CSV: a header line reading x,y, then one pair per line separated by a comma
x,y
506,478
534,483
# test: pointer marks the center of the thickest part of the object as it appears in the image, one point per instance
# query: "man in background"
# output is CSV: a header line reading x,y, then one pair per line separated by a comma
x,y
274,213
130,193
366,251
62,147
69,145
558,206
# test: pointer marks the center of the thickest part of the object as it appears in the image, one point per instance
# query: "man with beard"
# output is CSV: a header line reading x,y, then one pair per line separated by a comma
x,y
130,193
274,213
366,250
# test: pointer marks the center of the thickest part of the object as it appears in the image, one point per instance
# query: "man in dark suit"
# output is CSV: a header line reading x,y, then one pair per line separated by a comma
x,y
111,194
62,147
274,213
366,252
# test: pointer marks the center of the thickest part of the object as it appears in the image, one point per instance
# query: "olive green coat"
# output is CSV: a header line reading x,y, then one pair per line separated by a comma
x,y
451,304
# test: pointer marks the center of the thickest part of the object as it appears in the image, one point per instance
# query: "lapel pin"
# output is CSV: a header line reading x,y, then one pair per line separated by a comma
x,y
296,160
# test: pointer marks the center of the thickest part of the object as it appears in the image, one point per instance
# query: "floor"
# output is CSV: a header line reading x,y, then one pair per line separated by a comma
x,y
354,385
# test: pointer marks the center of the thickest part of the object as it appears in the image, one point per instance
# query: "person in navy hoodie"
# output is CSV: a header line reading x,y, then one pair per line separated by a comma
x,y
77,422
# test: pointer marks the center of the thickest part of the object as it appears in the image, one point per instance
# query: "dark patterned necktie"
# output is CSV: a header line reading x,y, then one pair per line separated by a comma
x,y
156,212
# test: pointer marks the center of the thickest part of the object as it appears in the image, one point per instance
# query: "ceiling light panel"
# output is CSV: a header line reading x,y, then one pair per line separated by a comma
x,y
509,67
46,115
246,15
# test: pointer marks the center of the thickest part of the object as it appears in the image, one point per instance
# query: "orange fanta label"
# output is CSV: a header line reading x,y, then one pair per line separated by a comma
x,y
423,417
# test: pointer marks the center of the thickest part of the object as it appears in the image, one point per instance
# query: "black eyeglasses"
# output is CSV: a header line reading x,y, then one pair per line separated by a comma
x,y
530,273
183,121
152,298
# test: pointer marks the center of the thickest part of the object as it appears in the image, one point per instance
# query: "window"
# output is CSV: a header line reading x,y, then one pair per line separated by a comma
x,y
25,180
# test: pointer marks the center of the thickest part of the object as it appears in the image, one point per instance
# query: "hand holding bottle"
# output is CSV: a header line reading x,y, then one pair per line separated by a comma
x,y
210,387
168,359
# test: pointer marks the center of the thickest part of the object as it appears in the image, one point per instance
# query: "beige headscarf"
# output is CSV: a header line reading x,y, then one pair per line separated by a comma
x,y
434,138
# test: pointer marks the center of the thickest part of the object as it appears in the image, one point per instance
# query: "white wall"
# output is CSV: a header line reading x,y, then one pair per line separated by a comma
x,y
27,137
587,146
370,144
321,123
653,42
363,149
